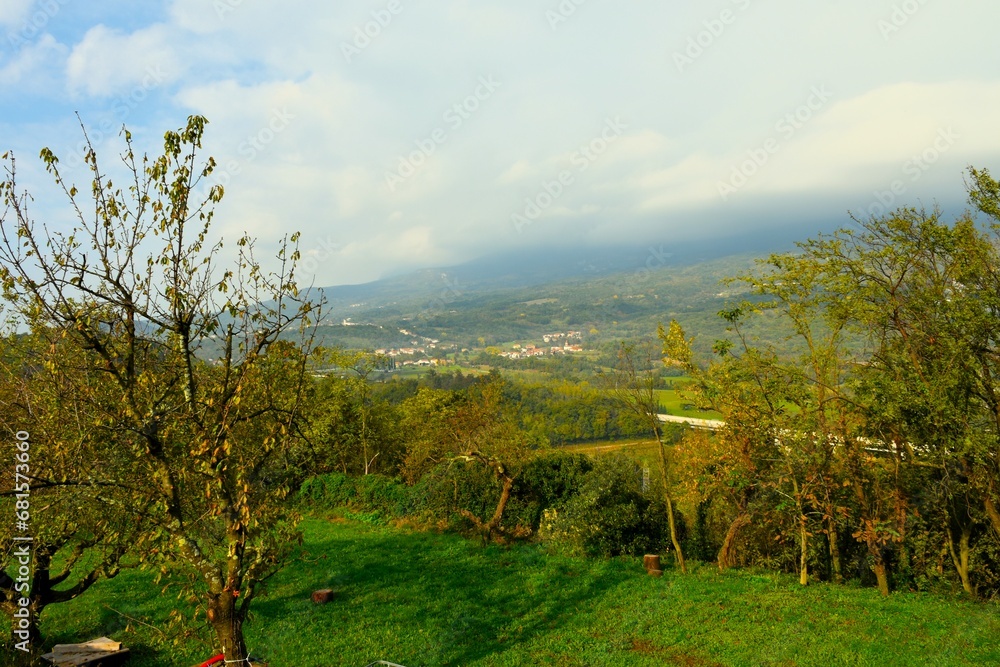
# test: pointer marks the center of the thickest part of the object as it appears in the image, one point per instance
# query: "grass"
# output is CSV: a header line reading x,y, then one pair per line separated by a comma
x,y
643,451
429,599
674,402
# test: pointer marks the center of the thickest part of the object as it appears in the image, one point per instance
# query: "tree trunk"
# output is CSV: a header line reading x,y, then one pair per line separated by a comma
x,y
804,556
508,484
803,536
961,560
227,622
881,577
834,538
673,535
670,503
991,511
725,553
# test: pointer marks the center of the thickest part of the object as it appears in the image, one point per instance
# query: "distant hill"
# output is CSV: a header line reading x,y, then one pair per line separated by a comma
x,y
532,268
615,294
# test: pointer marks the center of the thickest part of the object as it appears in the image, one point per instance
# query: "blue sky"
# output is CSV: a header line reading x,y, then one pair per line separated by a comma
x,y
398,134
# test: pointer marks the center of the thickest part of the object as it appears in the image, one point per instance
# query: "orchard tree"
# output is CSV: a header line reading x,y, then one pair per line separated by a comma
x,y
924,295
352,429
816,365
746,388
633,382
477,426
82,516
200,389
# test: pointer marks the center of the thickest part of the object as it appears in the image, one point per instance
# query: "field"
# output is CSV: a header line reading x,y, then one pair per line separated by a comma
x,y
429,599
677,401
643,451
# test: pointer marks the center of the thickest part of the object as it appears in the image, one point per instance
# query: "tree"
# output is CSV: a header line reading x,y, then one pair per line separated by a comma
x,y
81,523
200,390
816,366
353,429
633,382
478,427
923,293
746,389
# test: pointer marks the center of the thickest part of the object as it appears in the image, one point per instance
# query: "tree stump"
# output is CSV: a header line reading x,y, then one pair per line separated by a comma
x,y
652,562
323,596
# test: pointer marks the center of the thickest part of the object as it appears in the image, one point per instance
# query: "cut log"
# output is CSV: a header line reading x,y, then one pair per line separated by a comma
x,y
323,596
651,562
101,652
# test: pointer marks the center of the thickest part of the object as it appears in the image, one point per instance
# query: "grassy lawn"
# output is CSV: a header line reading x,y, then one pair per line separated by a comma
x,y
675,400
429,599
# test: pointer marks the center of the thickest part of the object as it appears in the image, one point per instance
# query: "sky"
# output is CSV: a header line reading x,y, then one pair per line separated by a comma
x,y
403,134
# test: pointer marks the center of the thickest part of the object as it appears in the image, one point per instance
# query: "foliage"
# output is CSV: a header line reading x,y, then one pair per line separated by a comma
x,y
352,428
610,515
82,525
875,426
135,288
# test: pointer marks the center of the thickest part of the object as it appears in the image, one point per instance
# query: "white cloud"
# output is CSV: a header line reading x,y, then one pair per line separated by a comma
x,y
343,124
14,13
107,61
34,67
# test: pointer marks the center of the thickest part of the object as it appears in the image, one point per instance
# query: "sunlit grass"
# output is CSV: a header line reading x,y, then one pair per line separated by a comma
x,y
429,599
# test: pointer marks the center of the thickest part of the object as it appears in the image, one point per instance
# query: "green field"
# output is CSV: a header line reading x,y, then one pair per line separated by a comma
x,y
643,451
429,599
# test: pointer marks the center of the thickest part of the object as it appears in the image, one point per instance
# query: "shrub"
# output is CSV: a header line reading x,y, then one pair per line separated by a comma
x,y
448,488
383,494
330,491
546,482
610,515
371,493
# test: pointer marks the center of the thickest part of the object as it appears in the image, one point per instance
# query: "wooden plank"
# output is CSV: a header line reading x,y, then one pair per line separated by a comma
x,y
100,652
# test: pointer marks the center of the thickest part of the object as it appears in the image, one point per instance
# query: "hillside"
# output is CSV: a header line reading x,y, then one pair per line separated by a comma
x,y
477,307
421,599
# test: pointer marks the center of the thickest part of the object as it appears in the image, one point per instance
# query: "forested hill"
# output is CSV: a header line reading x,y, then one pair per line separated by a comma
x,y
621,294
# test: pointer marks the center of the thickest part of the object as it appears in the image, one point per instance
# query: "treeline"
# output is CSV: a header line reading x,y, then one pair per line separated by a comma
x,y
868,445
570,502
357,422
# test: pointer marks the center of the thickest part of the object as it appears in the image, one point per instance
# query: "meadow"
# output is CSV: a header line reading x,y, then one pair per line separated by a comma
x,y
423,598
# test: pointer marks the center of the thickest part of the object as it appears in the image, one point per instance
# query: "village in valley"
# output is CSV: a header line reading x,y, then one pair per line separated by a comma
x,y
432,352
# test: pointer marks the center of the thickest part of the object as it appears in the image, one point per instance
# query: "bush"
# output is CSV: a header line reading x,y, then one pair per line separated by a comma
x,y
448,488
546,482
610,515
371,493
330,491
383,494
